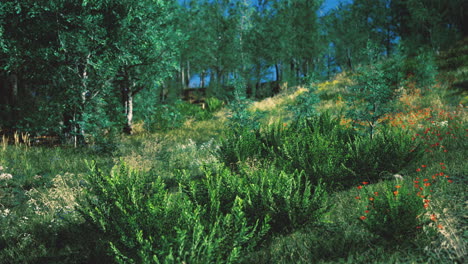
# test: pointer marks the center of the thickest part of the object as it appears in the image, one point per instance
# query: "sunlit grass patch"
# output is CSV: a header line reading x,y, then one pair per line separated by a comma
x,y
278,101
200,131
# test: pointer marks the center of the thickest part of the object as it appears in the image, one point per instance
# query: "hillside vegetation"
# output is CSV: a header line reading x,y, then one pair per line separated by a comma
x,y
233,131
290,179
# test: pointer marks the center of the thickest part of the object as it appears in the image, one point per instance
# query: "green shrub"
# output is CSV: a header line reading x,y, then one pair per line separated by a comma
x,y
240,146
171,116
164,117
286,200
213,104
194,111
304,105
323,149
393,212
142,222
386,153
313,145
241,118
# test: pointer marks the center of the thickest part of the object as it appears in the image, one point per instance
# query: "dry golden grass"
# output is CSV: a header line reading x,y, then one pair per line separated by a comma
x,y
200,131
278,101
62,197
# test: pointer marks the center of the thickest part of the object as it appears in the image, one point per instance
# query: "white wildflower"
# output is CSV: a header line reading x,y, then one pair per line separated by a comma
x,y
6,176
1,167
441,123
398,177
5,212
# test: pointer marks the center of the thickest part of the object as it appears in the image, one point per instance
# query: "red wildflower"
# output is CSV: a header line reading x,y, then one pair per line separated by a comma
x,y
365,183
424,166
427,184
362,218
357,197
359,187
450,181
418,169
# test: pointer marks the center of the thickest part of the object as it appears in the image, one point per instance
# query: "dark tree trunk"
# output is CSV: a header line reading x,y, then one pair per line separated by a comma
x,y
187,77
202,79
278,73
349,60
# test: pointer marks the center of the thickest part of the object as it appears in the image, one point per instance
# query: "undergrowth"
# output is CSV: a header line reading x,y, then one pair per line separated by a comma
x,y
237,187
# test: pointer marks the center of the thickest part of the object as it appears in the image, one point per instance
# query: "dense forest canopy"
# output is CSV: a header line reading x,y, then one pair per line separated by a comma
x,y
76,68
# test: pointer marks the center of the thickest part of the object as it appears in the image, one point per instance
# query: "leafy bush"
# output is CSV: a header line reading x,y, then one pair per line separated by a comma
x,y
323,149
316,146
311,145
394,212
194,111
171,116
304,106
286,200
241,118
240,146
163,117
213,104
143,222
388,151
422,70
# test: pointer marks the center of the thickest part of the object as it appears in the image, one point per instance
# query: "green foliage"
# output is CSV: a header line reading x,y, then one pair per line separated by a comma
x,y
310,145
394,213
213,104
323,149
285,200
193,111
170,116
241,118
238,147
124,205
304,106
315,146
387,152
164,117
421,70
37,206
374,92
